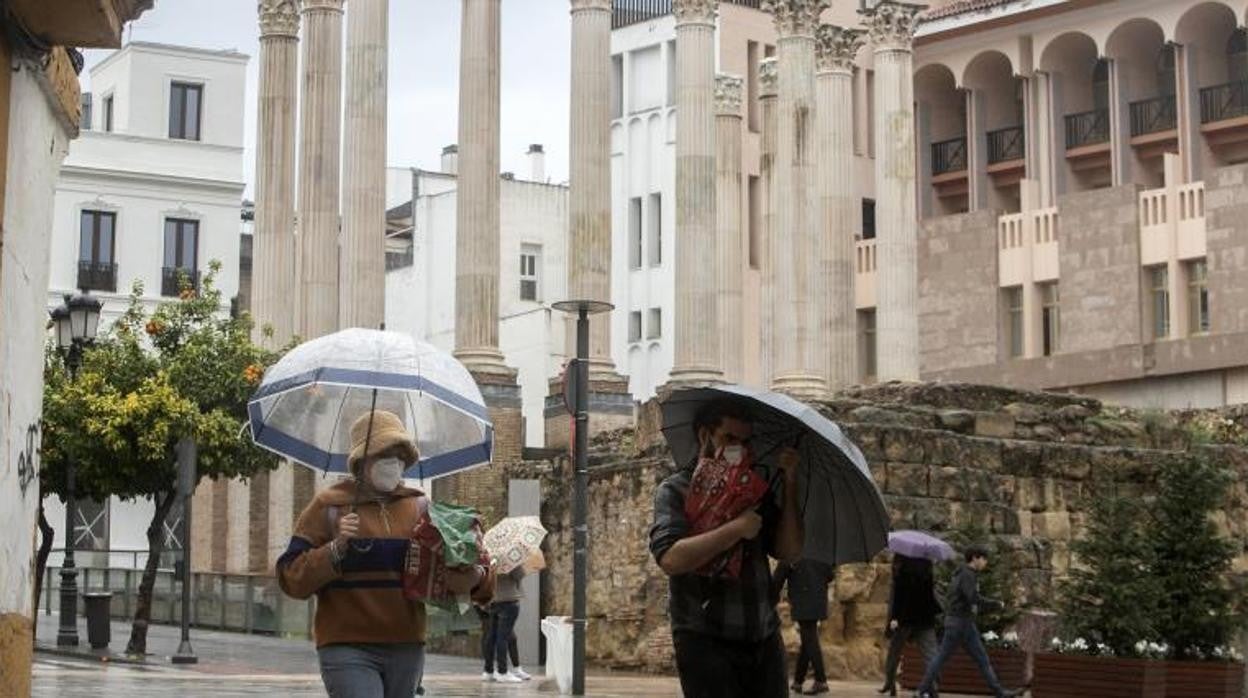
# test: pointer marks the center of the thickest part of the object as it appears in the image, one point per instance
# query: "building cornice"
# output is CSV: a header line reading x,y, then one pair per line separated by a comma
x,y
88,173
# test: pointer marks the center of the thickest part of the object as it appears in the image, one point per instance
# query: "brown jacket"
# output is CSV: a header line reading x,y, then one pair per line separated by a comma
x,y
361,601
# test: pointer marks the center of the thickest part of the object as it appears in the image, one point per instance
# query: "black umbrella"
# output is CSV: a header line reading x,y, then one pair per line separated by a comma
x,y
843,512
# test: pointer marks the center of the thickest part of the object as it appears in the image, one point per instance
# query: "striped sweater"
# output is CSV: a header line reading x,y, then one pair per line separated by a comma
x,y
360,601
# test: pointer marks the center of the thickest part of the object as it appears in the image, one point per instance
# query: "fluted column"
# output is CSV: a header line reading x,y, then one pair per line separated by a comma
x,y
477,238
836,345
362,291
891,26
320,121
589,200
276,254
731,270
697,359
767,76
794,200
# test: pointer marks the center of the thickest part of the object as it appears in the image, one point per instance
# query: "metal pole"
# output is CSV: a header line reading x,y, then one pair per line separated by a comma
x,y
580,533
67,633
187,455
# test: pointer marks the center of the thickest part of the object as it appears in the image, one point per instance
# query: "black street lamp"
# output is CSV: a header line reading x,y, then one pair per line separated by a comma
x,y
580,450
75,322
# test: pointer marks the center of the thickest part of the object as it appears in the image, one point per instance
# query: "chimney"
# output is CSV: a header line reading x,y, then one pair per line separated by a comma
x,y
450,159
537,163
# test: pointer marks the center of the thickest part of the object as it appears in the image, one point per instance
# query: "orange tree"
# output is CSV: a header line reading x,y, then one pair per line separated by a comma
x,y
185,369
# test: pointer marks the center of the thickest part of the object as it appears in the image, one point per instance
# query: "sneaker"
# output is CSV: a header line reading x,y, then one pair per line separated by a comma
x,y
487,676
521,674
507,678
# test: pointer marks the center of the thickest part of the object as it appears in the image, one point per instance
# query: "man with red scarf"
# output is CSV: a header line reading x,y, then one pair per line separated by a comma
x,y
725,630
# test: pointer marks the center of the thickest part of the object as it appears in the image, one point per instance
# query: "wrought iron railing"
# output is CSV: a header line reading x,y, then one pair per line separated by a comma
x,y
171,280
626,12
1006,144
1153,115
97,276
949,156
1221,102
1087,128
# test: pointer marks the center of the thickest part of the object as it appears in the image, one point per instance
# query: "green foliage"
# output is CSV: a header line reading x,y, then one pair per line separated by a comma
x,y
1191,560
1111,598
999,581
187,370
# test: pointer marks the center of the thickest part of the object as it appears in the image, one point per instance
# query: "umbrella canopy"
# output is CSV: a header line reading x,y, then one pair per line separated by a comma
x,y
843,512
304,407
517,541
920,545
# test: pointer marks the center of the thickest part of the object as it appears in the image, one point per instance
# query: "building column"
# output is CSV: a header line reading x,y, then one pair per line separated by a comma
x,y
836,345
794,202
731,269
891,27
767,77
320,121
276,256
362,271
697,330
477,238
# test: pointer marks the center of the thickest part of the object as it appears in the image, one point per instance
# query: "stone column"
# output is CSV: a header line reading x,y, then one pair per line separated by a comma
x,y
477,238
731,270
891,27
836,344
697,359
794,201
276,254
767,75
320,121
362,277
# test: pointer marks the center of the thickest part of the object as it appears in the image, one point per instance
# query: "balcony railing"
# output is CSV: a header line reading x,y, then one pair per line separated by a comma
x,y
171,280
97,276
1222,102
1006,144
1153,115
1087,128
626,12
949,156
398,259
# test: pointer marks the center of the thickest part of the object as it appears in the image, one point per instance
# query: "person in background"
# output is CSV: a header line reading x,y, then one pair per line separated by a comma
x,y
504,611
348,549
487,649
912,611
961,607
808,582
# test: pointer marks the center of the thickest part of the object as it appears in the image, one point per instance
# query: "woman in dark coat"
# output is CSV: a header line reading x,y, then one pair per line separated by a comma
x,y
912,611
808,604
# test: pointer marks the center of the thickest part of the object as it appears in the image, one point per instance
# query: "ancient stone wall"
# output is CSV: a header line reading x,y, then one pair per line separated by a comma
x,y
1021,465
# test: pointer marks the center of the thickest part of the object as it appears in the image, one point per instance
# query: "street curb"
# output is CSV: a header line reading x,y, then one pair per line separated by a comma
x,y
89,655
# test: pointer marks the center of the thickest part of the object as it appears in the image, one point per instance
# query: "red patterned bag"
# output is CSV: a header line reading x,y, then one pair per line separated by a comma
x,y
424,575
718,493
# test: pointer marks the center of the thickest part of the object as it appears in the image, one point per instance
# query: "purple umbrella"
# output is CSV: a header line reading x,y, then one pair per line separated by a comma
x,y
920,545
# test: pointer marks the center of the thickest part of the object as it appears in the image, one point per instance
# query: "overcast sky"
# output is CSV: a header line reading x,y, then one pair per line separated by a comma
x,y
424,72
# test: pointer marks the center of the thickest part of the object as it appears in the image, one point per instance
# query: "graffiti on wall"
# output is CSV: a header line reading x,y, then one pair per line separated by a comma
x,y
28,459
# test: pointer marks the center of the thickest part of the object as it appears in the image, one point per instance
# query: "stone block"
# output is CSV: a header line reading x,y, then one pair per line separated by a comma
x,y
961,421
907,479
994,424
1021,458
854,582
949,483
867,619
1039,495
1068,462
1052,525
1059,558
1024,413
867,439
904,445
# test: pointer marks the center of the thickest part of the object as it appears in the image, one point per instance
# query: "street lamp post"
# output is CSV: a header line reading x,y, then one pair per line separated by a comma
x,y
580,532
75,322
187,461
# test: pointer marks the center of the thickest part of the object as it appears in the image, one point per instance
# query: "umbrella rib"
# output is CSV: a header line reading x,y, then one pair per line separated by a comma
x,y
862,530
329,448
272,409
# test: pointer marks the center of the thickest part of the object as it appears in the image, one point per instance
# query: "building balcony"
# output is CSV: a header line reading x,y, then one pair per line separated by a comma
x,y
1154,125
629,12
949,156
1007,153
171,280
865,265
1172,224
1089,128
1027,247
97,276
1224,113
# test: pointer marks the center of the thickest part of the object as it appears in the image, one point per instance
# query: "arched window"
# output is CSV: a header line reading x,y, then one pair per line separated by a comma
x,y
1237,56
1165,70
1100,84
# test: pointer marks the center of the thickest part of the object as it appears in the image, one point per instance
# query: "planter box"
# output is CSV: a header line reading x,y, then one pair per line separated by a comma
x,y
1204,679
961,675
1079,676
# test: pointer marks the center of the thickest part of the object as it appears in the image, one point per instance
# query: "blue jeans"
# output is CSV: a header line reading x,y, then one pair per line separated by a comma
x,y
503,615
961,632
371,670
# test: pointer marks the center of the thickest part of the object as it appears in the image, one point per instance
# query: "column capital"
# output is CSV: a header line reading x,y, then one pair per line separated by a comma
x,y
306,6
728,95
795,17
582,5
836,47
694,11
768,77
278,18
891,24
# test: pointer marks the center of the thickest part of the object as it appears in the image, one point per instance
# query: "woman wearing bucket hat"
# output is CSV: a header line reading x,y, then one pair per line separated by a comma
x,y
348,548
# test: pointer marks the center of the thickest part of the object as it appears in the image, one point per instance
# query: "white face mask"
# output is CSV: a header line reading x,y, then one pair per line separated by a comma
x,y
734,454
386,474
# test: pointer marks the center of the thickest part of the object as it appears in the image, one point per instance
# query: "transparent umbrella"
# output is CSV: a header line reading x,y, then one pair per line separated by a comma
x,y
304,407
